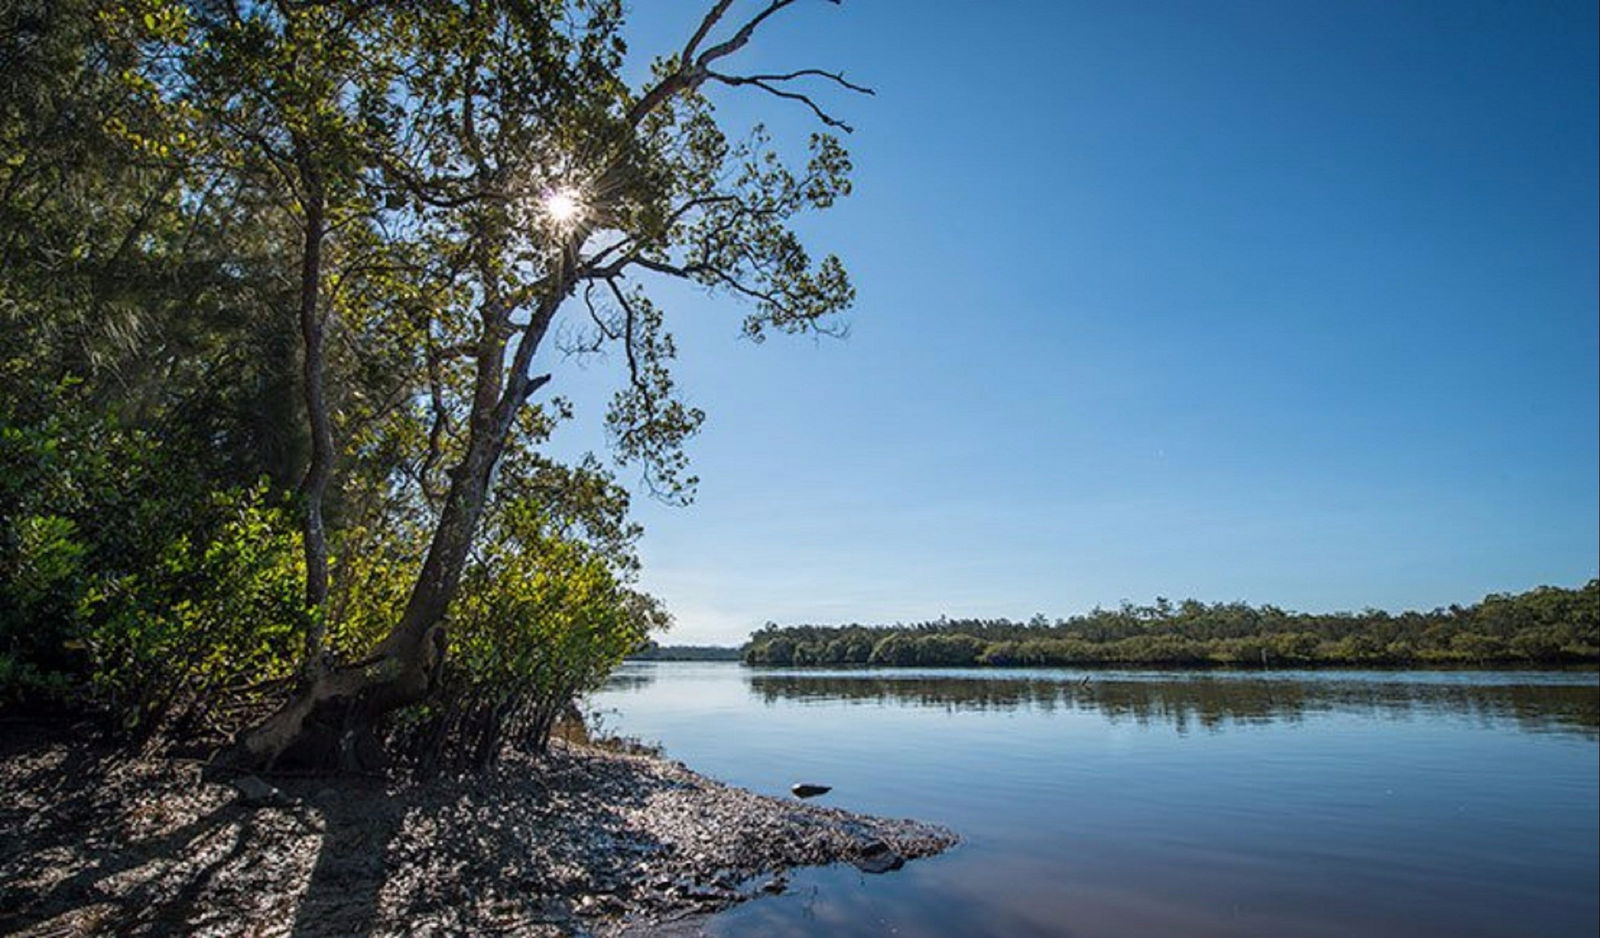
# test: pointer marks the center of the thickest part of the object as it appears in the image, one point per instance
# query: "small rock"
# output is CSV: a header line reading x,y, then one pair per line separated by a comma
x,y
709,892
882,863
876,857
775,885
257,794
807,790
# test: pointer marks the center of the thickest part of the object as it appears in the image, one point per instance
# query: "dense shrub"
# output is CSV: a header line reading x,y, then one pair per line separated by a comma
x,y
210,622
134,591
541,619
128,587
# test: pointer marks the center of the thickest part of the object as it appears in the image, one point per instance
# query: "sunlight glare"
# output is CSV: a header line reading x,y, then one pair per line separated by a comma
x,y
564,206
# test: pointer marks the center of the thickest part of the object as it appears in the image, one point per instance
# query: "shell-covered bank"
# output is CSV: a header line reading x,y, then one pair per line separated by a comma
x,y
579,841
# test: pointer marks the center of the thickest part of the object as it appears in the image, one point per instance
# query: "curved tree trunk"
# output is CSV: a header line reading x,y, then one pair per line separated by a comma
x,y
329,723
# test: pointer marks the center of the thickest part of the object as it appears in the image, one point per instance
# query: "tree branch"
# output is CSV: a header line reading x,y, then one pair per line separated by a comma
x,y
836,77
627,333
738,40
772,89
711,19
693,70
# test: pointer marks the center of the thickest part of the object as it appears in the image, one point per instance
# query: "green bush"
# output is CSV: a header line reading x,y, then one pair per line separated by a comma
x,y
540,619
214,619
128,588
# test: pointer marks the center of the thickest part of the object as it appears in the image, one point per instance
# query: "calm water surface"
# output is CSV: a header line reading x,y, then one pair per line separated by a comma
x,y
1144,803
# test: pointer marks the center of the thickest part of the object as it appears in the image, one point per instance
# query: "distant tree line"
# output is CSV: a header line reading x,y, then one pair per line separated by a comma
x,y
1546,625
655,652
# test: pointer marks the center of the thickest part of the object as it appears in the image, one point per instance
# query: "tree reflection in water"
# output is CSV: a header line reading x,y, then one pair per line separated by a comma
x,y
1210,700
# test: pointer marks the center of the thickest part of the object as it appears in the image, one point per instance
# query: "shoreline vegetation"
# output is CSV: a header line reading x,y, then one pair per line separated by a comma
x,y
1195,699
1543,626
292,296
656,652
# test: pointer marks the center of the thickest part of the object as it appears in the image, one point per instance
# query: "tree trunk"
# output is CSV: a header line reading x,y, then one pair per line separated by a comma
x,y
330,722
313,335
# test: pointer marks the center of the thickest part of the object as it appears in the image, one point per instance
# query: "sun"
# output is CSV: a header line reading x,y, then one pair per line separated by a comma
x,y
563,206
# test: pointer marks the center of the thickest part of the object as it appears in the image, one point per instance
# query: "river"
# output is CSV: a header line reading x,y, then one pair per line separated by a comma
x,y
1163,803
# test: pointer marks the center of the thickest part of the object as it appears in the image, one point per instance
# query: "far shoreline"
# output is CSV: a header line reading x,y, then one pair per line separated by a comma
x,y
1201,667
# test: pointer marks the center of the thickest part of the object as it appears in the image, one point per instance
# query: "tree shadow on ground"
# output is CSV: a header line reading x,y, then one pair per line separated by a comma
x,y
70,807
343,893
536,846
518,849
103,845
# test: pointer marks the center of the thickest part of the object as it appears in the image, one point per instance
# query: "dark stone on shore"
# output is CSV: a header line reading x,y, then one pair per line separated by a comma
x,y
255,793
806,790
877,857
886,863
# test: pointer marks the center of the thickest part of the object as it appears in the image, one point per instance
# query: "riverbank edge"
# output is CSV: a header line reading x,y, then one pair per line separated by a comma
x,y
579,841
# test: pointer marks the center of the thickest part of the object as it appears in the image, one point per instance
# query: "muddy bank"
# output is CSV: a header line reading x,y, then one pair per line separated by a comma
x,y
578,841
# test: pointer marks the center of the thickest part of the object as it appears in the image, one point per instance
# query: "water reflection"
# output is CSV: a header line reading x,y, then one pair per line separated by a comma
x,y
1307,803
628,678
1208,701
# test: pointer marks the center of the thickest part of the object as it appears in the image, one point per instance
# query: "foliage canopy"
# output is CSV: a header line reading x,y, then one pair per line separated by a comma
x,y
281,284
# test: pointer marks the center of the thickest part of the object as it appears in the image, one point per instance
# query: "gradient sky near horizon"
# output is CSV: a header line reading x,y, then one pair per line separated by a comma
x,y
1285,302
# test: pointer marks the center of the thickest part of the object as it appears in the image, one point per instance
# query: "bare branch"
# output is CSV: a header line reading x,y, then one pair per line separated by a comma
x,y
604,333
836,77
738,40
600,255
693,70
599,323
691,271
822,115
711,19
738,287
534,384
662,267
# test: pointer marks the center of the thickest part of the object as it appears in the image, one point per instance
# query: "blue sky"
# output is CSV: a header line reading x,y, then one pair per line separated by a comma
x,y
1284,302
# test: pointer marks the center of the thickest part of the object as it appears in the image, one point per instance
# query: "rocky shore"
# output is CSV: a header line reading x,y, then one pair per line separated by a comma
x,y
580,841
